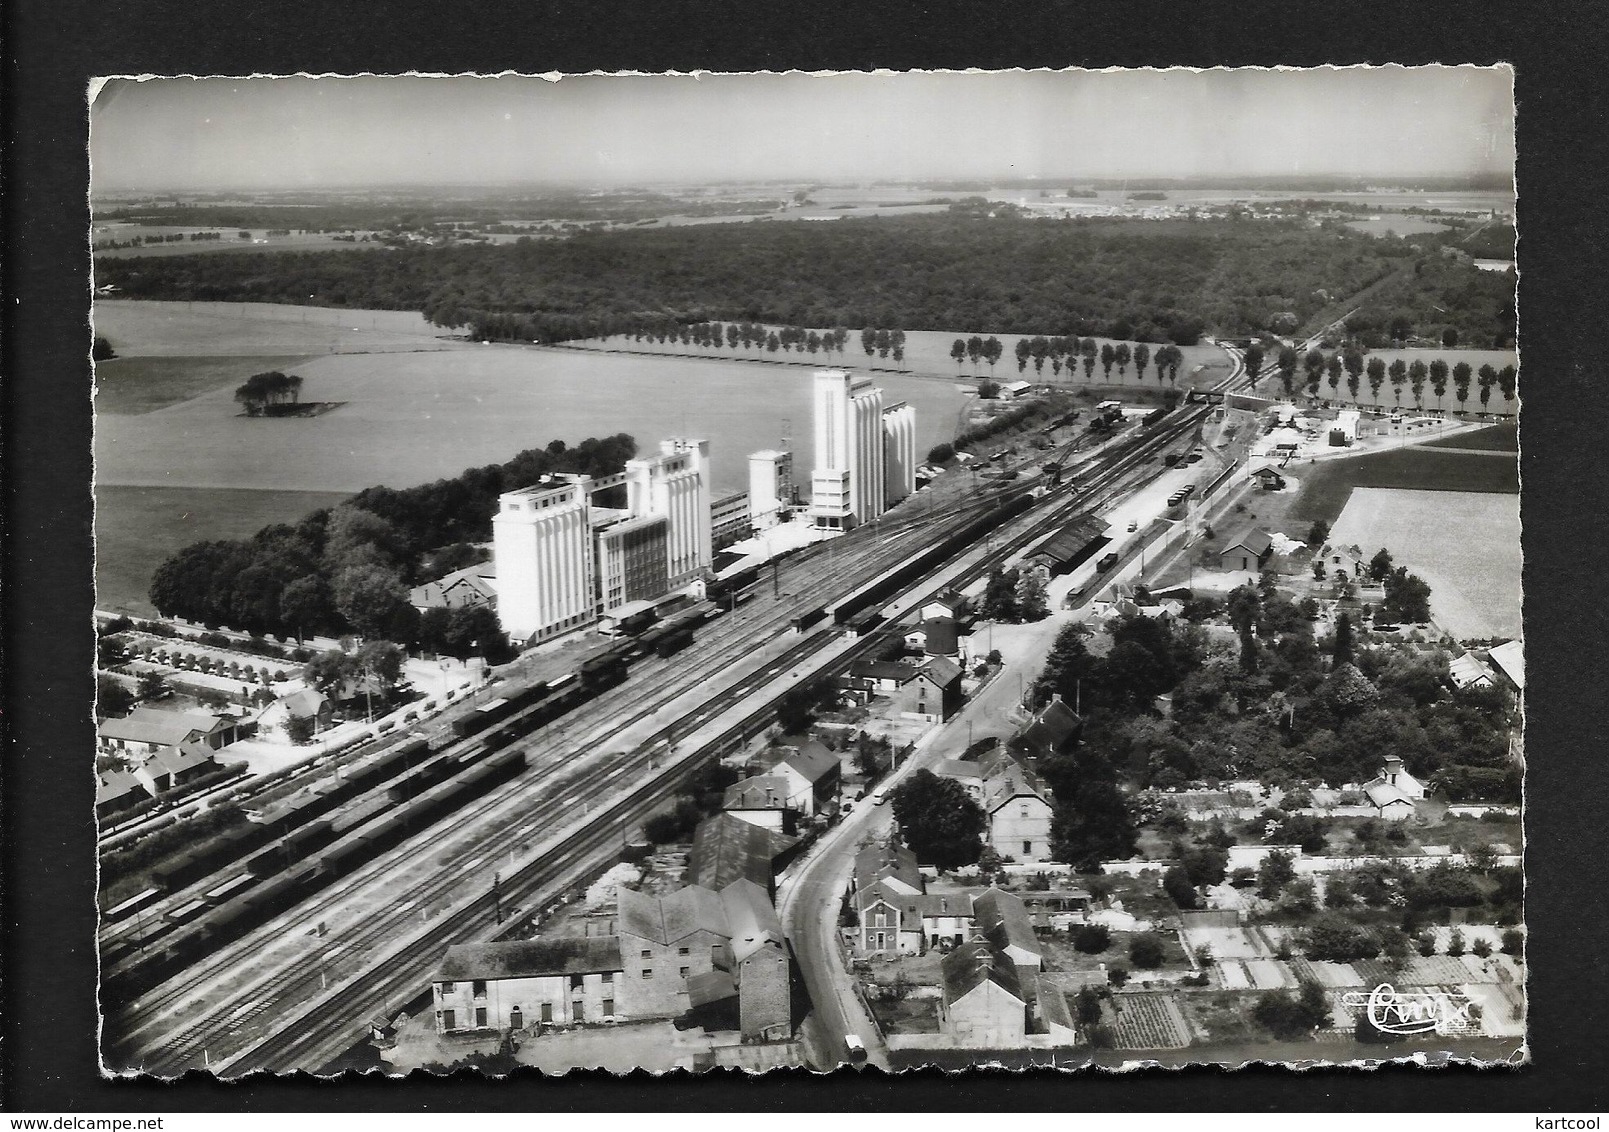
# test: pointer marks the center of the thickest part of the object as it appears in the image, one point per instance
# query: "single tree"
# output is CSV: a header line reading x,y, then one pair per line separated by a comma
x,y
939,820
1254,362
991,351
1030,597
1142,358
1333,368
1377,378
1313,366
1341,648
974,351
1449,338
1108,357
1399,374
958,351
1438,380
1417,372
1462,372
1021,351
1122,353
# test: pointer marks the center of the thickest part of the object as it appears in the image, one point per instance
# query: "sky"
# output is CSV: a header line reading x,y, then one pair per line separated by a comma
x,y
314,133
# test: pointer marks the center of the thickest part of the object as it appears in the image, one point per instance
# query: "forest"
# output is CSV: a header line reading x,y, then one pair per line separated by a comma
x,y
1148,281
349,568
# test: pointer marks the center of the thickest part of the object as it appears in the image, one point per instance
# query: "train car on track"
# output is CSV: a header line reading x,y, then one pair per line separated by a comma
x,y
227,890
1154,416
133,904
187,911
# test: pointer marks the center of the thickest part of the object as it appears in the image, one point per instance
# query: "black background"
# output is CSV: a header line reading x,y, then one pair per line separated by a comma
x,y
53,48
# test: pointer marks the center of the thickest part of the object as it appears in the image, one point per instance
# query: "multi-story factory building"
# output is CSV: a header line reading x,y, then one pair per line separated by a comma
x,y
846,486
562,562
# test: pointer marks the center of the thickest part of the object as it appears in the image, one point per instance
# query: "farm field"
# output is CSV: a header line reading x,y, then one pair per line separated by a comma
x,y
1465,545
1497,438
143,327
135,385
413,417
1393,224
1327,485
136,528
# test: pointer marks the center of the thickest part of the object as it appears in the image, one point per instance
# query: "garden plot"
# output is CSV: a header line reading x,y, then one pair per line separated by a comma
x,y
1149,1021
1225,943
1268,974
1326,973
1465,545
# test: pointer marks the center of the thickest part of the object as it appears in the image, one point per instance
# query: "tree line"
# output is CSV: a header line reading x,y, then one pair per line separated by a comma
x,y
1319,369
1149,281
349,568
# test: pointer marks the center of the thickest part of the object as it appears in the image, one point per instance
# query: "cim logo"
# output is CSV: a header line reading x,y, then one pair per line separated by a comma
x,y
1414,1012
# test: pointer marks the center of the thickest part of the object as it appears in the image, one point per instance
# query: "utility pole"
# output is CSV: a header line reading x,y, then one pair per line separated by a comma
x,y
497,896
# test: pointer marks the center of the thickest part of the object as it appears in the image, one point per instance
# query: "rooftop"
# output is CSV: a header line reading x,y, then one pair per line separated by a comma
x,y
530,958
1003,918
168,728
971,965
726,849
764,792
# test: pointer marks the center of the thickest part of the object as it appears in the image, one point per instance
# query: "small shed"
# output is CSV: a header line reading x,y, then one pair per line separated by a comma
x,y
1251,552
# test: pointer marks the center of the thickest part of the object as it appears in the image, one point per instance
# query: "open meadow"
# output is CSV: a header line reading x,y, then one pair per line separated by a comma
x,y
1465,545
136,528
1327,485
142,384
141,327
414,417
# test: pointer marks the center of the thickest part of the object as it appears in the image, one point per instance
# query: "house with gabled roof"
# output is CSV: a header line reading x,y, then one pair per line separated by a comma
x,y
162,770
148,729
982,1004
117,790
933,692
1003,919
1467,671
1509,659
1250,552
1394,792
1053,730
462,589
1019,807
951,603
762,801
813,774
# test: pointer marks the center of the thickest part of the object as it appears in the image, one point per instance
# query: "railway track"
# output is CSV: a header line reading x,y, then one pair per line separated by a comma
x,y
307,1048
272,989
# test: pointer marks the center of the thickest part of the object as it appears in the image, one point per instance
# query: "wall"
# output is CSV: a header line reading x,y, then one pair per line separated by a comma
x,y
764,999
1008,829
596,999
664,993
987,1017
